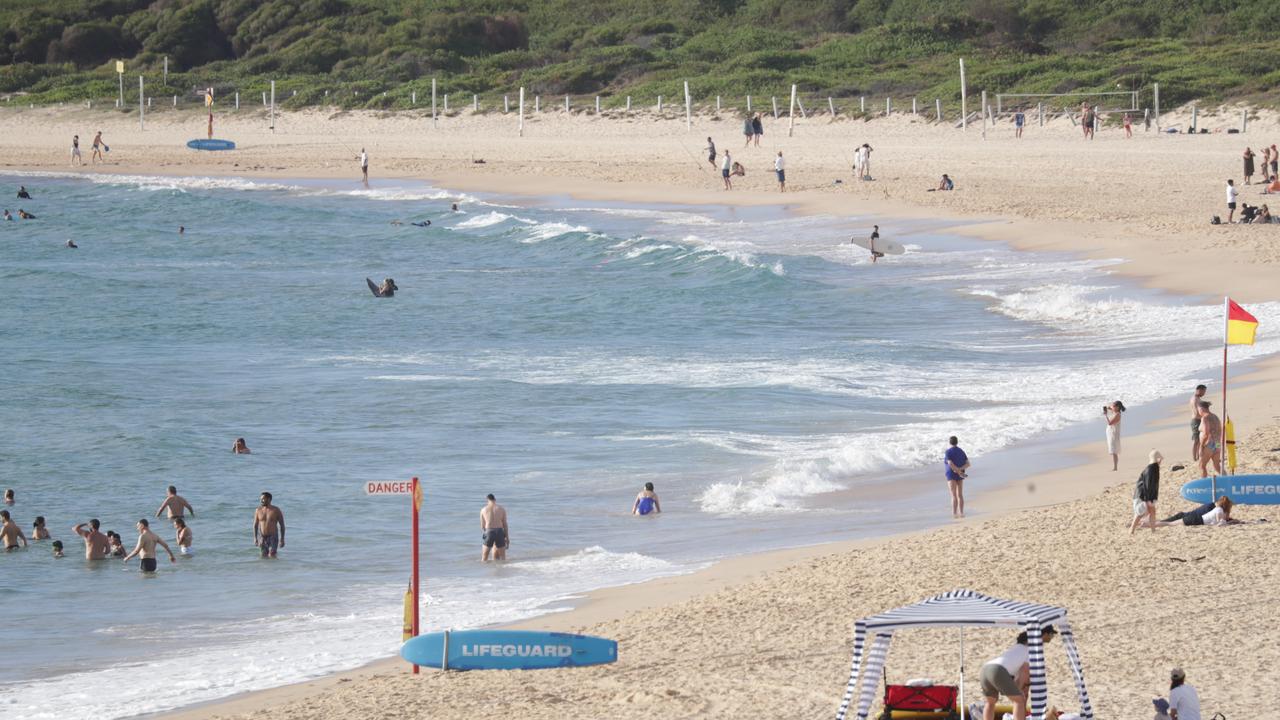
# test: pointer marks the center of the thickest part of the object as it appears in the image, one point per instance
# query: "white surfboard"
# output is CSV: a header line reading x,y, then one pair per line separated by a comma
x,y
888,247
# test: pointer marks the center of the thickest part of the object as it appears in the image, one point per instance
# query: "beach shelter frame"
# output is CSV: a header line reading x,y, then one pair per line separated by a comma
x,y
961,608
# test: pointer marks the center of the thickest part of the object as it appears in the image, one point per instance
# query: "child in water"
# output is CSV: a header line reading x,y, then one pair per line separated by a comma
x,y
57,548
646,501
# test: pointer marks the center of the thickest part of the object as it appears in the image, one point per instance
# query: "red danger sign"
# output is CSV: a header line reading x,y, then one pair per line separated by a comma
x,y
388,487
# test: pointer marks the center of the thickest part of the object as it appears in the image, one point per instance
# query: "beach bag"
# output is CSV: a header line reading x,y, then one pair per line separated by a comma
x,y
902,699
1215,220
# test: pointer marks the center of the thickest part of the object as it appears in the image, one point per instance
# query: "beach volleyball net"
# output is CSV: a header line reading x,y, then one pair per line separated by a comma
x,y
1053,105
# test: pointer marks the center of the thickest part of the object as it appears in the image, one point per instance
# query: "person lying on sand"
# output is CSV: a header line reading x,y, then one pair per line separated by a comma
x,y
1214,513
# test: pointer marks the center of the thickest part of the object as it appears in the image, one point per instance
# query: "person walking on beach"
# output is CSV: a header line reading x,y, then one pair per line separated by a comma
x,y
757,128
494,531
97,546
725,166
1248,166
646,501
364,167
1196,397
749,130
1146,493
780,169
1112,415
1210,440
10,533
75,151
956,463
1231,201
97,148
146,548
174,504
1019,119
1086,120
268,526
711,157
1009,674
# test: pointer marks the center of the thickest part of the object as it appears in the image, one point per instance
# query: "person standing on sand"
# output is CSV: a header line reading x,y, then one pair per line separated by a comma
x,y
1196,397
1128,125
1145,495
725,165
1210,440
1248,166
1275,161
364,167
864,162
75,151
495,534
757,128
10,533
1112,415
97,148
711,157
646,501
268,526
780,169
957,469
1231,201
96,545
748,129
146,548
174,504
1019,119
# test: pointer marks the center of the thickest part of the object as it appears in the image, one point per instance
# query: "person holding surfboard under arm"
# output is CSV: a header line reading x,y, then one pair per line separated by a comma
x,y
646,501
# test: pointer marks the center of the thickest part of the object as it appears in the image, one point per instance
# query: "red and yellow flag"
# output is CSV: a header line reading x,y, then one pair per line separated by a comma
x,y
1241,326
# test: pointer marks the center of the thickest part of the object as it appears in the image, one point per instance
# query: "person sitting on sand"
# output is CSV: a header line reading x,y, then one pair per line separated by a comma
x,y
1145,495
946,183
239,448
1273,187
22,193
1010,675
1210,513
1264,216
646,501
738,170
25,215
1248,213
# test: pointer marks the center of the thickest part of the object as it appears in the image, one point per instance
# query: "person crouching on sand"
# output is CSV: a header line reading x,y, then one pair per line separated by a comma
x,y
1145,495
1010,675
646,501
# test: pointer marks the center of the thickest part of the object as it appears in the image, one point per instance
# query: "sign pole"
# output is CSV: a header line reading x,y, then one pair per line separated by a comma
x,y
1226,316
413,500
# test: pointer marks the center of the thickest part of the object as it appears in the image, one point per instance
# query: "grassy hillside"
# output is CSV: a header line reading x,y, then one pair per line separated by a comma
x,y
64,50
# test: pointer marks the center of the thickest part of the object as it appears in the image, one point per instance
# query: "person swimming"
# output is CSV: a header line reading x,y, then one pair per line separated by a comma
x,y
72,244
22,193
455,207
424,223
646,501
25,215
388,288
7,216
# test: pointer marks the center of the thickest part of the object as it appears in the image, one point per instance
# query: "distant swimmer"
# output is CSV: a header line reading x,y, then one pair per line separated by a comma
x,y
25,215
455,207
96,545
117,544
38,530
10,533
388,287
174,504
364,166
146,547
8,496
72,244
57,548
646,501
424,223
494,531
268,526
184,536
239,448
182,229
7,216
22,193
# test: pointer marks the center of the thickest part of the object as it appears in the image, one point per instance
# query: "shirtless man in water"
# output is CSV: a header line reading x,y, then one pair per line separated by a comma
x,y
1195,422
493,525
174,505
10,533
146,547
268,526
96,545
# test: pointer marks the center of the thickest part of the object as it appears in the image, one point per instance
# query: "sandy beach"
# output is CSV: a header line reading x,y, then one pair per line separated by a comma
x,y
769,635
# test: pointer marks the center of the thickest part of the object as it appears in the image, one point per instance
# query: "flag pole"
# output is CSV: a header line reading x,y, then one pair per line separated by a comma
x,y
1226,319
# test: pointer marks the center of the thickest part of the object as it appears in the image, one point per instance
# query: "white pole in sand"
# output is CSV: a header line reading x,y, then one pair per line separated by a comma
x,y
628,103
237,100
273,106
688,107
537,103
888,106
659,104
413,98
862,103
566,103
983,115
142,121
1157,106
521,126
964,105
748,104
264,98
775,107
120,102
791,114
475,103
166,69
434,121
717,103
937,108
831,105
913,107
446,104
506,104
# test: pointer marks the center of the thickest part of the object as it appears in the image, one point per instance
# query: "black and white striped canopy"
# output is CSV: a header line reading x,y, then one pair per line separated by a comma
x,y
964,608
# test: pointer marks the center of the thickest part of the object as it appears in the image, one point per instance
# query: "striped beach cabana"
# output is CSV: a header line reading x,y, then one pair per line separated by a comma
x,y
960,608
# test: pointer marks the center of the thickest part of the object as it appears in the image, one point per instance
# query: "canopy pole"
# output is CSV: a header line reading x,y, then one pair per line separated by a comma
x,y
964,709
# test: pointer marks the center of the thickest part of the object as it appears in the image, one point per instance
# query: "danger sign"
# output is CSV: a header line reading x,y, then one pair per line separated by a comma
x,y
388,487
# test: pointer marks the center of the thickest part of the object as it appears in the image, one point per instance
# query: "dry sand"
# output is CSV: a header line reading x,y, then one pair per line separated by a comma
x,y
769,636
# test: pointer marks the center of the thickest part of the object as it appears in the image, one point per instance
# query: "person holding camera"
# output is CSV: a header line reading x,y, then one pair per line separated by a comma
x,y
1112,414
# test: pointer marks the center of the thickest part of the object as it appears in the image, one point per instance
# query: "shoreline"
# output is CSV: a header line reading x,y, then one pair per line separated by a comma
x,y
1147,258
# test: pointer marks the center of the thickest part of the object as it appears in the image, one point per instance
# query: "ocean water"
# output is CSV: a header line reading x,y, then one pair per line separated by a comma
x,y
778,389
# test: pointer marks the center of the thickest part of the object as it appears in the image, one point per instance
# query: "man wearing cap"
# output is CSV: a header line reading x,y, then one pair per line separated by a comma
x,y
1184,703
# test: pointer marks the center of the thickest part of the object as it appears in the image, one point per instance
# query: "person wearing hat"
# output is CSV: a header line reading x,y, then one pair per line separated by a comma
x,y
1010,675
1184,702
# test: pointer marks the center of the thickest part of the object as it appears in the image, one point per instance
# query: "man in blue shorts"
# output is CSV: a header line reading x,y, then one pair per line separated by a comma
x,y
957,466
1019,119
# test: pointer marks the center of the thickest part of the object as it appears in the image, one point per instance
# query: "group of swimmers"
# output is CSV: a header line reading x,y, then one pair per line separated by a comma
x,y
495,533
22,213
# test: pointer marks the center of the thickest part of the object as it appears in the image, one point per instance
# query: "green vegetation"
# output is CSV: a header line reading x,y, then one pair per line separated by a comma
x,y
350,52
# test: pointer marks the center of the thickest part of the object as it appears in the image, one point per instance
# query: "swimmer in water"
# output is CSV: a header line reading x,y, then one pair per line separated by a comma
x,y
57,548
7,216
424,223
10,533
388,288
455,207
239,448
184,536
25,215
22,193
71,244
8,496
117,543
646,501
38,530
